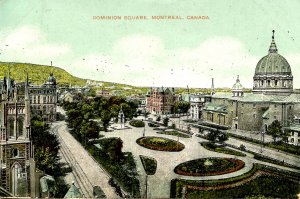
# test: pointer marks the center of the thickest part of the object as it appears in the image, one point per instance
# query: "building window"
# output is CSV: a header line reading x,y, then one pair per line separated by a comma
x,y
269,83
254,115
276,82
11,126
14,152
242,105
275,117
20,126
275,106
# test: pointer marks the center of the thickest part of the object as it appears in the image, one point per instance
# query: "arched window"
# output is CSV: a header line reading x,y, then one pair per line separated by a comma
x,y
20,126
11,126
14,152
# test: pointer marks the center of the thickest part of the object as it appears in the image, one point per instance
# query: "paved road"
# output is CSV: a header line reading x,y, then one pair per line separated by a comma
x,y
82,161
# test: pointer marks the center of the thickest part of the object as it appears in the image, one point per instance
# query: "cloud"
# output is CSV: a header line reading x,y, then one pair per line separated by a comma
x,y
142,60
29,44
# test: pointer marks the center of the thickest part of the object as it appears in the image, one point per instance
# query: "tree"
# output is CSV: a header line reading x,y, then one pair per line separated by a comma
x,y
275,130
46,146
105,118
285,136
181,107
158,118
166,121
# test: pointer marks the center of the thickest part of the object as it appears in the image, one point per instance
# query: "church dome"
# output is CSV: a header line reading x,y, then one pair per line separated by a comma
x,y
273,64
237,85
51,79
273,74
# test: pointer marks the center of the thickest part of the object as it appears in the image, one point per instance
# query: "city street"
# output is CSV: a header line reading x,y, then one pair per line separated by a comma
x,y
86,169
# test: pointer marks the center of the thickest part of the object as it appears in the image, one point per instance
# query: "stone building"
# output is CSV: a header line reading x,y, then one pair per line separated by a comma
x,y
160,100
272,98
16,148
43,99
197,102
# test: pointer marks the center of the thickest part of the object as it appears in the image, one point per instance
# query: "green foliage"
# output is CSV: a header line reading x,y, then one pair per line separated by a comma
x,y
121,166
46,145
174,133
149,164
216,135
160,144
152,124
209,166
275,130
166,121
181,107
240,191
213,147
158,118
137,123
38,74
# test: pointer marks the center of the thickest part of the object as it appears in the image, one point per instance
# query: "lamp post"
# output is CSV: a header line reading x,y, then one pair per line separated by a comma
x,y
262,137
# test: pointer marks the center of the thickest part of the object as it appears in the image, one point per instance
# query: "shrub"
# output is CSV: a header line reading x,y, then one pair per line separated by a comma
x,y
137,123
149,164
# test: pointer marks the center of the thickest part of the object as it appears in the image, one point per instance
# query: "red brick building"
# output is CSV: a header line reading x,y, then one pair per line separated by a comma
x,y
160,100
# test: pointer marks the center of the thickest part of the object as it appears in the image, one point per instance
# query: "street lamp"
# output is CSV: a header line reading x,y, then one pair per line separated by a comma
x,y
262,138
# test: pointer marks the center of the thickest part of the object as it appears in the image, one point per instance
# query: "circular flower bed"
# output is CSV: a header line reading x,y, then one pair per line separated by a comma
x,y
160,144
209,166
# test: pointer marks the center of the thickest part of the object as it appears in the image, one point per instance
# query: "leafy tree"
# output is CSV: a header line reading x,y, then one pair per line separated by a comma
x,y
166,121
181,107
46,146
105,118
285,135
275,130
212,135
158,118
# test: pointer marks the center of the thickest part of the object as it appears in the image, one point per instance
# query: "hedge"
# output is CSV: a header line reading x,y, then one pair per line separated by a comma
x,y
137,123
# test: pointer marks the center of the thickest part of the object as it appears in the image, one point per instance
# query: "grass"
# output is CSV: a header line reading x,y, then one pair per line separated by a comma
x,y
213,147
288,178
149,164
174,133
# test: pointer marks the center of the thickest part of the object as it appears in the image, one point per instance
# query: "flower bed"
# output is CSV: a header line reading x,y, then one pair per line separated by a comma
x,y
160,144
209,166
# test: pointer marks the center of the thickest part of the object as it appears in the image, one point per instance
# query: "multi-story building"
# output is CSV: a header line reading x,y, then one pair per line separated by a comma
x,y
43,99
197,102
160,100
272,99
16,148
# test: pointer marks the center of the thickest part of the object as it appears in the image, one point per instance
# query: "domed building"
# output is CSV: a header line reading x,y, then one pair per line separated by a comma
x,y
273,74
272,98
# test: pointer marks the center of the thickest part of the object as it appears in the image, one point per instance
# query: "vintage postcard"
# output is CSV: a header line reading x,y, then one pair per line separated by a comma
x,y
149,99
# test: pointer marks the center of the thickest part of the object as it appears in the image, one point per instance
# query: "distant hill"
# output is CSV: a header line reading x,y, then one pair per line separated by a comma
x,y
38,74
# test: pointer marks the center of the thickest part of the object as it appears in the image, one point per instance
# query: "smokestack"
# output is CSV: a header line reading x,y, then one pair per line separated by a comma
x,y
51,63
212,86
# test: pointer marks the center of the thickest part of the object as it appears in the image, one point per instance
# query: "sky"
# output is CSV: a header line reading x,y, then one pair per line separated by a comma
x,y
233,36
